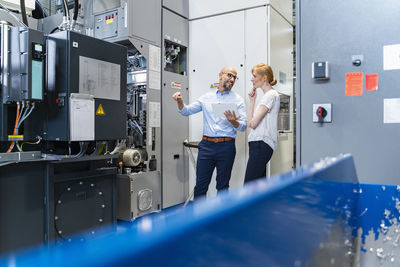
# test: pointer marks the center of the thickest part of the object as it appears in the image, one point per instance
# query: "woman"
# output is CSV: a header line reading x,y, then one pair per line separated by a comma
x,y
263,121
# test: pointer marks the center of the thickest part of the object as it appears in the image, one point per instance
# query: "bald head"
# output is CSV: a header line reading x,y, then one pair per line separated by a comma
x,y
228,69
227,78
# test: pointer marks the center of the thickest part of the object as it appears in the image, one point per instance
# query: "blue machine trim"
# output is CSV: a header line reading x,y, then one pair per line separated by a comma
x,y
306,217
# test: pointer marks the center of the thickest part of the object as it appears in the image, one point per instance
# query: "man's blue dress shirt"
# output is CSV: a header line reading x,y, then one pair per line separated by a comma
x,y
214,126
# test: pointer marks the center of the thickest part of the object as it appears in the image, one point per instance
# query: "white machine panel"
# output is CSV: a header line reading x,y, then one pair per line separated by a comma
x,y
256,42
198,9
284,7
281,60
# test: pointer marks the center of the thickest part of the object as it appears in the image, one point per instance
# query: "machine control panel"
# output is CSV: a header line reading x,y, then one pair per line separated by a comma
x,y
106,25
37,52
37,71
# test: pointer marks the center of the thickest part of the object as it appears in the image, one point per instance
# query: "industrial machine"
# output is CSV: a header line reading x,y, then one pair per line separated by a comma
x,y
63,119
153,154
153,147
139,181
94,127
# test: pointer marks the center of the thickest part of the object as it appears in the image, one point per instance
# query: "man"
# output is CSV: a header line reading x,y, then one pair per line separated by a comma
x,y
217,147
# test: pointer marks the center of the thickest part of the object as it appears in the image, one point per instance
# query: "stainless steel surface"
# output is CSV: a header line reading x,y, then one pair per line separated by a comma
x,y
180,7
103,5
138,194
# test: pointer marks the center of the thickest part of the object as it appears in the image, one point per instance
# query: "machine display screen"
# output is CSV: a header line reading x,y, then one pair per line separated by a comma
x,y
38,47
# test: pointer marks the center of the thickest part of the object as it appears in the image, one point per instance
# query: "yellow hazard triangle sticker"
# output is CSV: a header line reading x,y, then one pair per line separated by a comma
x,y
214,85
100,110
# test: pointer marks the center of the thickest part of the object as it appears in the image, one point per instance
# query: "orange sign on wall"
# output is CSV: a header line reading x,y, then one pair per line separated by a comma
x,y
354,83
371,82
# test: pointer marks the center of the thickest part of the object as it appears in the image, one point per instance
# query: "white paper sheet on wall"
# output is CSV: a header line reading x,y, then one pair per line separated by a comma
x,y
81,117
154,80
391,110
149,136
154,58
154,114
391,57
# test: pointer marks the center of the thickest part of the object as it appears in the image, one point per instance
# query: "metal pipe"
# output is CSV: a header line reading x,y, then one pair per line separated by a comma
x,y
23,12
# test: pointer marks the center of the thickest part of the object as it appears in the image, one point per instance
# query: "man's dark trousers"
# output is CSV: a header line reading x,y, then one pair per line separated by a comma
x,y
211,154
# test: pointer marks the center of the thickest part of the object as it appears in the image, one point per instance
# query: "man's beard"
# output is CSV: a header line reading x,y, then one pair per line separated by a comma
x,y
224,84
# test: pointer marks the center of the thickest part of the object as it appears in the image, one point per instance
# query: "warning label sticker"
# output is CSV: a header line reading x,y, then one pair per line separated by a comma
x,y
15,137
100,111
214,85
175,85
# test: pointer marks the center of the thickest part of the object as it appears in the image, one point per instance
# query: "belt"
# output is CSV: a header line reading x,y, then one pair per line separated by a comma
x,y
218,139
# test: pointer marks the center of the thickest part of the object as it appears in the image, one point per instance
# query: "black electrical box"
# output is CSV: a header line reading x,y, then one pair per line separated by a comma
x,y
86,88
22,73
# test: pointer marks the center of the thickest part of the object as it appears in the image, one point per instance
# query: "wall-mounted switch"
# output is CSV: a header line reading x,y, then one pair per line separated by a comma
x,y
322,113
320,70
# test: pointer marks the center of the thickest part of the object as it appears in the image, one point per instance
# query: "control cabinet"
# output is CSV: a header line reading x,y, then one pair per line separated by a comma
x,y
85,87
22,80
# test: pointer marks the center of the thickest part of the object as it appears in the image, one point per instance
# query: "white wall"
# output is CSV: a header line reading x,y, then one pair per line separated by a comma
x,y
213,44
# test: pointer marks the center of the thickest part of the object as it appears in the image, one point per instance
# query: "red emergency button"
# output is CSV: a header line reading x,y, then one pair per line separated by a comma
x,y
321,114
